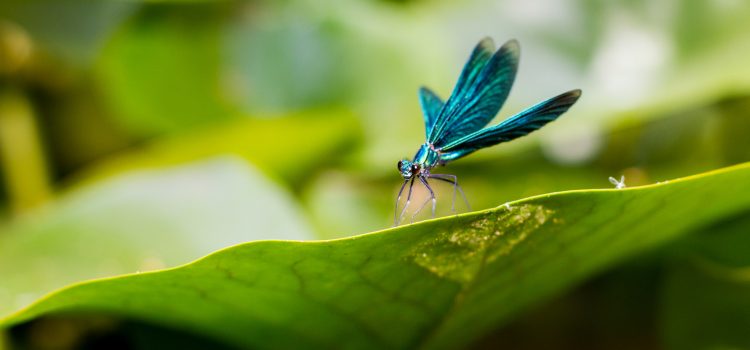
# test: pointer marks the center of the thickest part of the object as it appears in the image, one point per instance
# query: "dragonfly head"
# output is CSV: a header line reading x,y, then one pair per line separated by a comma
x,y
407,169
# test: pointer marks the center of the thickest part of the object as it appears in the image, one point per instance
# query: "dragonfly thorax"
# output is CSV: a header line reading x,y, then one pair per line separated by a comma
x,y
427,156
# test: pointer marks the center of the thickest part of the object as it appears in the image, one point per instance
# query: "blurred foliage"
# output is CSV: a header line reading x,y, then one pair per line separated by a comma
x,y
160,70
436,285
20,150
313,140
140,135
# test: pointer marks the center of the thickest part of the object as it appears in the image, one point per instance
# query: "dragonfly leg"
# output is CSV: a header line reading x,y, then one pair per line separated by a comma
x,y
408,200
431,198
432,194
452,179
398,199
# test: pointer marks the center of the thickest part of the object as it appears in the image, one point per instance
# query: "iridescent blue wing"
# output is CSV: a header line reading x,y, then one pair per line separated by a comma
x,y
431,106
472,69
514,127
481,90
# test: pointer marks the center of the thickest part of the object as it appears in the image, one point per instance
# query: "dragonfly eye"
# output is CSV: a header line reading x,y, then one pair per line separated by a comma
x,y
400,163
414,168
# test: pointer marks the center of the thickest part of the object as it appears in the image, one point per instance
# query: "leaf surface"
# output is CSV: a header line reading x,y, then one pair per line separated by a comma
x,y
141,221
437,284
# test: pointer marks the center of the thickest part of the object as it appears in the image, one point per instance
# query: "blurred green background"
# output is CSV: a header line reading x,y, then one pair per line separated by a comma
x,y
138,135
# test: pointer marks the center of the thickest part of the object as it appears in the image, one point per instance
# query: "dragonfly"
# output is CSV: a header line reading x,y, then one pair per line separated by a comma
x,y
456,128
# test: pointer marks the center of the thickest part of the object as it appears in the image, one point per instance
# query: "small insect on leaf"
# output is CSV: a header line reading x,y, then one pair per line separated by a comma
x,y
618,184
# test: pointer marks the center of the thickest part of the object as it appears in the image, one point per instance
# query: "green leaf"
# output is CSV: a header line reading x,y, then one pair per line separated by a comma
x,y
709,280
155,206
437,284
140,221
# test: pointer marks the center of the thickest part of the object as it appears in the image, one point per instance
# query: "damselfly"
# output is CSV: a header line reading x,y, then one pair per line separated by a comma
x,y
454,128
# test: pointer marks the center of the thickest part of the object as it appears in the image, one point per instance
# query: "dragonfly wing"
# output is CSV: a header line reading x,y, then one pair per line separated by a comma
x,y
479,58
514,127
481,91
431,105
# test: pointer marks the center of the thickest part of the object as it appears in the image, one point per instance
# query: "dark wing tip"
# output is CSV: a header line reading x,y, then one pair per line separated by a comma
x,y
570,97
512,49
487,44
512,45
426,93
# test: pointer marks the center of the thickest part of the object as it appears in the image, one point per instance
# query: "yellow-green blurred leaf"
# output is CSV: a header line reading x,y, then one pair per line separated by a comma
x,y
289,148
